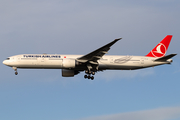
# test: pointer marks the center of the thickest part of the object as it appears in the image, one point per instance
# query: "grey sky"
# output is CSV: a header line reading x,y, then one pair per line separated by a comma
x,y
59,26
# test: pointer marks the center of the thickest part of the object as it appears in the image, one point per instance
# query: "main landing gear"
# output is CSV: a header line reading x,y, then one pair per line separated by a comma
x,y
91,69
15,68
89,74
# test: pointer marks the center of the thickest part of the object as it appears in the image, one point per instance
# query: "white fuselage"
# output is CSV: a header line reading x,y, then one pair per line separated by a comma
x,y
55,61
92,62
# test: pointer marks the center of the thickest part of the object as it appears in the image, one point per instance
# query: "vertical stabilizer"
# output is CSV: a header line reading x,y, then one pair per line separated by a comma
x,y
161,48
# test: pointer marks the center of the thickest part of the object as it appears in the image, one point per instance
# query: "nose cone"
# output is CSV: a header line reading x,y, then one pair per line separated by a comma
x,y
5,62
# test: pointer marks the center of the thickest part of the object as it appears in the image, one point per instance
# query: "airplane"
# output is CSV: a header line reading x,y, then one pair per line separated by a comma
x,y
92,62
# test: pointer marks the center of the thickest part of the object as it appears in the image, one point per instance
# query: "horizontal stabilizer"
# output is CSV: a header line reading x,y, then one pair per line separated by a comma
x,y
165,58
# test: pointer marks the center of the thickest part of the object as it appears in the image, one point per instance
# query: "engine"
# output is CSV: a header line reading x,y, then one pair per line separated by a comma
x,y
69,73
69,63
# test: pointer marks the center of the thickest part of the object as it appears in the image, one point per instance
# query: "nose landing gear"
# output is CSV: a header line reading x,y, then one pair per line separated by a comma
x,y
16,73
15,68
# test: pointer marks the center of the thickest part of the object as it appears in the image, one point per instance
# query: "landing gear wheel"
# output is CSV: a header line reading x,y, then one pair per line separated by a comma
x,y
93,73
16,73
85,76
89,77
86,72
92,78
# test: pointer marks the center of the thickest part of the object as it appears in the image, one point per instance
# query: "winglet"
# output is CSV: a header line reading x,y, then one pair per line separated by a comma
x,y
161,48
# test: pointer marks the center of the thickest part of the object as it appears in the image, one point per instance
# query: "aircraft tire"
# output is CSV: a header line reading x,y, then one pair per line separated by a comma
x,y
93,73
16,73
85,76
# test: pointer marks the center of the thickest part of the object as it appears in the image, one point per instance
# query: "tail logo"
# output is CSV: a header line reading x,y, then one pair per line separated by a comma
x,y
159,50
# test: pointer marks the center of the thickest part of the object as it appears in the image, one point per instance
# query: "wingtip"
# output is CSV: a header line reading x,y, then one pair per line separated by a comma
x,y
118,39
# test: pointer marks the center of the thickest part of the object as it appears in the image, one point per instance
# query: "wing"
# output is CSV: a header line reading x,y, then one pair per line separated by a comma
x,y
97,54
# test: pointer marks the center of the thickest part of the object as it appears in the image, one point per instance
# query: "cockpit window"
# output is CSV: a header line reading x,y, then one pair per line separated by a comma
x,y
8,59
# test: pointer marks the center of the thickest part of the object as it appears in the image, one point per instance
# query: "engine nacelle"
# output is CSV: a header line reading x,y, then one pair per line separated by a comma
x,y
69,63
69,73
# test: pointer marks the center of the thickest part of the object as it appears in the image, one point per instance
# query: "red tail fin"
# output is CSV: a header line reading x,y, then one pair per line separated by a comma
x,y
161,48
